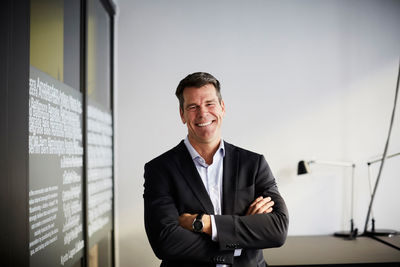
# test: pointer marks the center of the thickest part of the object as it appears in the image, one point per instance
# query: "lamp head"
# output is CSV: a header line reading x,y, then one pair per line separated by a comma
x,y
303,168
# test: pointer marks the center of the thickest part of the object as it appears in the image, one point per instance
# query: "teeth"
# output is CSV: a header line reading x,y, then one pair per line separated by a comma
x,y
204,124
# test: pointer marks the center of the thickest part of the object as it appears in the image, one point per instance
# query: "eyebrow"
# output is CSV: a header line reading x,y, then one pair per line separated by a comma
x,y
207,102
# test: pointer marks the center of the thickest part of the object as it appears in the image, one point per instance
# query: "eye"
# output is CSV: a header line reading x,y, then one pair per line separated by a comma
x,y
211,104
191,107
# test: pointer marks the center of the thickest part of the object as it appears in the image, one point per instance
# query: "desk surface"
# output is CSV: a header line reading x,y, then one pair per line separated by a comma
x,y
394,240
307,250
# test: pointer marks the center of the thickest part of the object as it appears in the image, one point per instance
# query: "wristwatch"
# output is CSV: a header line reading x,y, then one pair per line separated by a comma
x,y
198,223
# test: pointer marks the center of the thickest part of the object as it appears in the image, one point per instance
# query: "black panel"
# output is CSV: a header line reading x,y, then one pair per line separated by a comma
x,y
14,72
55,172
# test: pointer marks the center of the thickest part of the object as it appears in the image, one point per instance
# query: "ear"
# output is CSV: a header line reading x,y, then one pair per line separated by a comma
x,y
182,117
223,108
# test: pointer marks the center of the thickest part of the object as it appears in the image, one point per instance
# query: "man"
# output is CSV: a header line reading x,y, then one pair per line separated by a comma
x,y
207,202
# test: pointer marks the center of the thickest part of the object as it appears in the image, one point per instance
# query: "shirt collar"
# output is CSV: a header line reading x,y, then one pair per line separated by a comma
x,y
194,154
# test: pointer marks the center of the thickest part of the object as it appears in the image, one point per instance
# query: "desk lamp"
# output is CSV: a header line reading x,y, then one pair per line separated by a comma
x,y
304,168
382,160
373,231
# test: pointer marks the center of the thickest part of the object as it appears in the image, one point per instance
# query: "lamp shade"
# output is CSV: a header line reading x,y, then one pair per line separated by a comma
x,y
302,168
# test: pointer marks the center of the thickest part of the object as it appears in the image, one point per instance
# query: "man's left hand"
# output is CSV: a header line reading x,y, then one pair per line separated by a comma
x,y
260,206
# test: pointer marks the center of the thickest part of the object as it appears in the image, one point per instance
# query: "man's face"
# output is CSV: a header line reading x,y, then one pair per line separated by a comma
x,y
202,112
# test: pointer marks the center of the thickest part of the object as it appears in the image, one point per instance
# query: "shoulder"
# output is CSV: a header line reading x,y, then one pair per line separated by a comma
x,y
168,156
230,148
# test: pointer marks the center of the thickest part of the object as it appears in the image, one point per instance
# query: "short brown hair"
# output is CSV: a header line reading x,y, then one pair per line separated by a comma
x,y
197,79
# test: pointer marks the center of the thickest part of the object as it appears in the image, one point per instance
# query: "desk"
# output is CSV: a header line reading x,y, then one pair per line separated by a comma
x,y
320,250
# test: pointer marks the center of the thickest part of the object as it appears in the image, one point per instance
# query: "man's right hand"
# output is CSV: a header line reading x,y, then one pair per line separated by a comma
x,y
260,206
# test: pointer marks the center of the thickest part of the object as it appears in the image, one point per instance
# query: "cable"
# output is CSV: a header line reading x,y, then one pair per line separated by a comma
x,y
384,153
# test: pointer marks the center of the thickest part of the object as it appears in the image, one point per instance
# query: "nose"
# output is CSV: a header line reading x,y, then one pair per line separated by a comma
x,y
201,111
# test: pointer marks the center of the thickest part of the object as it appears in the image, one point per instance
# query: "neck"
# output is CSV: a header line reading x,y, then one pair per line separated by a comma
x,y
206,150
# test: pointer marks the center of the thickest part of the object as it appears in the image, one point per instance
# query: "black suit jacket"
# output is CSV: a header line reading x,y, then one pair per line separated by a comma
x,y
173,186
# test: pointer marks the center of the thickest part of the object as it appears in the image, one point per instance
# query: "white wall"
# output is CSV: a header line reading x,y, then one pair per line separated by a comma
x,y
300,80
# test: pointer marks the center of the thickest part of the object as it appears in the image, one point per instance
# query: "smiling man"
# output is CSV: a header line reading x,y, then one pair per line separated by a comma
x,y
208,202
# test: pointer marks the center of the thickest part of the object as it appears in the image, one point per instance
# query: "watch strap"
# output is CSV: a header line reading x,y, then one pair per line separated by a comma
x,y
199,216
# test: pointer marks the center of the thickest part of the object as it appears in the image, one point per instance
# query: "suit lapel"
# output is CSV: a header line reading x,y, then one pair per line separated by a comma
x,y
231,166
192,177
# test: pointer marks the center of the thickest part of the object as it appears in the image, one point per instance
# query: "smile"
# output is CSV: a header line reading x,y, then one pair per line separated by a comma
x,y
204,124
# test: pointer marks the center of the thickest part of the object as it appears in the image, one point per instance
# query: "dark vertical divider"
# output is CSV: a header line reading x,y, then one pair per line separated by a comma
x,y
112,12
113,144
84,114
14,76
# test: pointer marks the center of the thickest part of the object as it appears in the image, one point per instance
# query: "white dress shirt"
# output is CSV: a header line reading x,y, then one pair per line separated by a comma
x,y
211,175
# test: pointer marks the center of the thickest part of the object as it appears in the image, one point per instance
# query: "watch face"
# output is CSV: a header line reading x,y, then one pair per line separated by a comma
x,y
197,226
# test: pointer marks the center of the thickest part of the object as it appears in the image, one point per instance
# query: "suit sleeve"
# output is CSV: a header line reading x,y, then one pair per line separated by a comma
x,y
167,238
260,230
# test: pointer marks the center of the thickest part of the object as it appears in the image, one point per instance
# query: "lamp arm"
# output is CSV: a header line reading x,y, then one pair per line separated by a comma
x,y
333,163
380,159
